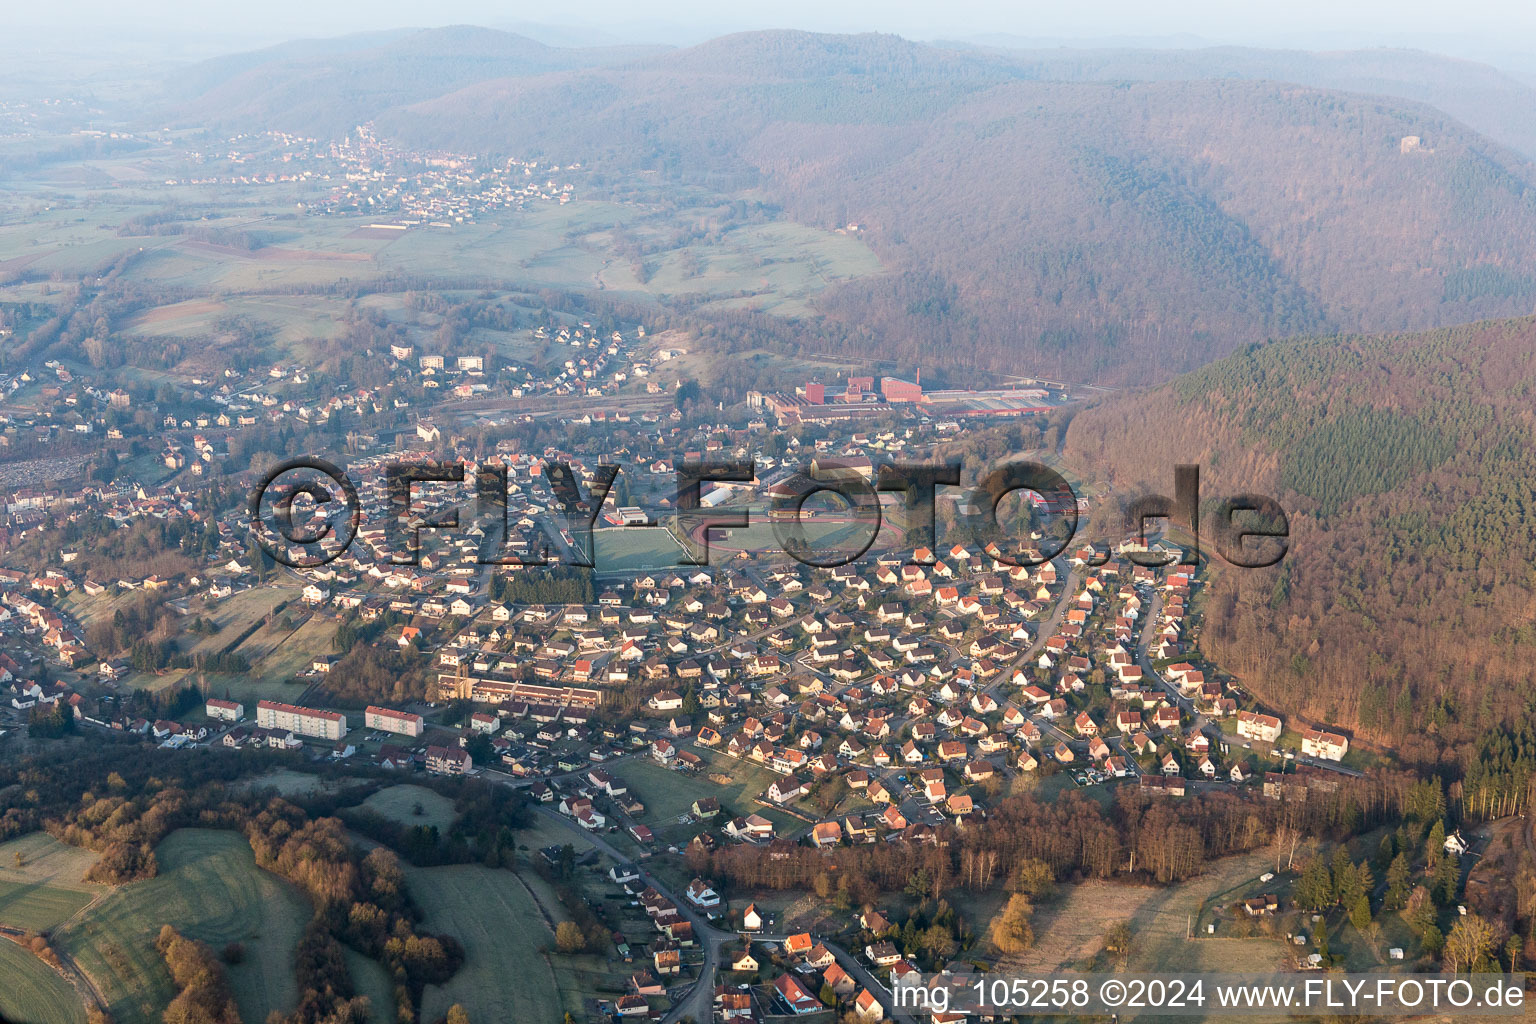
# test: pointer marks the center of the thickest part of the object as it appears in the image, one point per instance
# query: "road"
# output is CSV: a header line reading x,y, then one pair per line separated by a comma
x,y
1044,632
1186,705
698,1001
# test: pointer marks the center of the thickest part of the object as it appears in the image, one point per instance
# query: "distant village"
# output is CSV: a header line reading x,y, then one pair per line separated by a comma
x,y
363,174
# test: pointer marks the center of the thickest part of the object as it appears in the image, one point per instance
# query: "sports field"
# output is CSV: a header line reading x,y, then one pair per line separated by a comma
x,y
209,888
635,549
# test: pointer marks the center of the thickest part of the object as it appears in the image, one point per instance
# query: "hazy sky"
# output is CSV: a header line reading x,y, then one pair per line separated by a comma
x,y
1496,24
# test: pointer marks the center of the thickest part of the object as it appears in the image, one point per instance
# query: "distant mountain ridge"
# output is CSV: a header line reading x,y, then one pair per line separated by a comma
x,y
1494,103
1114,216
325,87
1110,230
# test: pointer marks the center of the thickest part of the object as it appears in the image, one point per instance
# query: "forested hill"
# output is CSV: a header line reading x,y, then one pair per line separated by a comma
x,y
1496,104
1116,231
1406,607
325,88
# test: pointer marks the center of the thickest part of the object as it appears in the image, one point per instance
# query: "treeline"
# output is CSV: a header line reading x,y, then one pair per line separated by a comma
x,y
372,675
486,818
358,901
1497,782
1139,836
162,654
553,585
591,926
203,995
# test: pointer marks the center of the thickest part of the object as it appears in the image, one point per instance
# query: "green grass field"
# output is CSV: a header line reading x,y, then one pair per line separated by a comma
x,y
288,782
542,832
398,803
234,616
371,980
209,888
283,654
632,549
668,794
502,931
31,992
46,890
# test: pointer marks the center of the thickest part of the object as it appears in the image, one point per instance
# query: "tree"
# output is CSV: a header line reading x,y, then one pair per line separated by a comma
x,y
1365,877
1011,930
1034,878
1399,882
687,392
1420,910
940,944
1345,882
1434,846
1117,942
457,1015
1314,889
565,862
843,899
1469,945
1447,876
1385,852
1360,913
1320,938
827,995
568,937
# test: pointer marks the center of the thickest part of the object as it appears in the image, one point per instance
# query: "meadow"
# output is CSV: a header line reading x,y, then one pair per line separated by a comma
x,y
502,930
371,980
287,782
34,993
209,888
44,888
72,225
668,794
274,653
541,832
399,803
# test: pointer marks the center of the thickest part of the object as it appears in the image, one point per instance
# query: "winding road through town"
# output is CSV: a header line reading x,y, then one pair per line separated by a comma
x,y
698,1002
